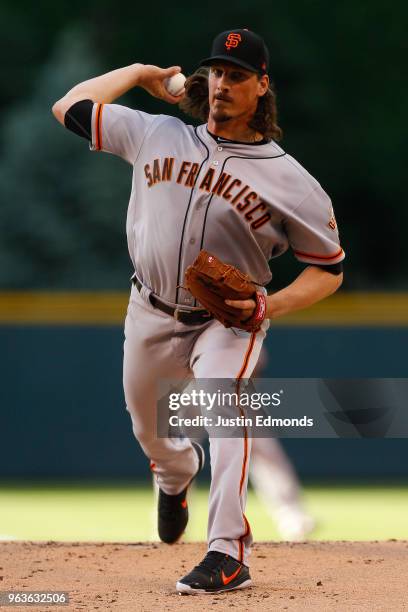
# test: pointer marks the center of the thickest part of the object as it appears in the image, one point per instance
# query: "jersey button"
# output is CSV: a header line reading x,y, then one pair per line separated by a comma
x,y
215,162
192,240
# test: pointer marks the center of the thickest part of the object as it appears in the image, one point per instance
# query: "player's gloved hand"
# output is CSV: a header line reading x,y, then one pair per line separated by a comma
x,y
216,284
152,79
251,310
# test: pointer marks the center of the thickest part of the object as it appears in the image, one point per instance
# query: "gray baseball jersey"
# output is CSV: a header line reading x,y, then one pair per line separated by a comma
x,y
245,203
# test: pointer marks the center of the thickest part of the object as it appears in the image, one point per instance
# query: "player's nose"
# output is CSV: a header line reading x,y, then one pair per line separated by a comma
x,y
221,89
222,82
225,83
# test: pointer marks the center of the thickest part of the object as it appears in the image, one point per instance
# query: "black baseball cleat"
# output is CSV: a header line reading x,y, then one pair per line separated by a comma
x,y
173,509
216,573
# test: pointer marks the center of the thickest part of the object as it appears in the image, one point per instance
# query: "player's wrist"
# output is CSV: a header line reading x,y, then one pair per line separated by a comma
x,y
271,307
278,304
137,72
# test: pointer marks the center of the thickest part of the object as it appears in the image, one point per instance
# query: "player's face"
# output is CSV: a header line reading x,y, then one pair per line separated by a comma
x,y
234,92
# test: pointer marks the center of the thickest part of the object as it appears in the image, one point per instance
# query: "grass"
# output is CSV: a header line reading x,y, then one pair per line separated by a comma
x,y
127,513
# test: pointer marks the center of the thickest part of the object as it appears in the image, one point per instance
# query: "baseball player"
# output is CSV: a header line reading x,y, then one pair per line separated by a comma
x,y
228,188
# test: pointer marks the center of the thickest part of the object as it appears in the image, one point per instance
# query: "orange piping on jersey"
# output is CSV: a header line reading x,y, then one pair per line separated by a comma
x,y
241,539
313,255
247,356
244,463
245,457
98,126
239,377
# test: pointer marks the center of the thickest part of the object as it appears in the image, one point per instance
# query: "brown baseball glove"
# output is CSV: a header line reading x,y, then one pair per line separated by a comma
x,y
212,282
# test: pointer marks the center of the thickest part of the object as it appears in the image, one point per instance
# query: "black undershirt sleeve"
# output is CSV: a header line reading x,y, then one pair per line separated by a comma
x,y
333,268
78,118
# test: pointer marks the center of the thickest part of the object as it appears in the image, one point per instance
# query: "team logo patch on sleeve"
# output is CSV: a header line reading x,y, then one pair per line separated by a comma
x,y
332,221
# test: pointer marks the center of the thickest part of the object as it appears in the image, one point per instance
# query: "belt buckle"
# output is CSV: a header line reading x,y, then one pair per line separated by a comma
x,y
178,312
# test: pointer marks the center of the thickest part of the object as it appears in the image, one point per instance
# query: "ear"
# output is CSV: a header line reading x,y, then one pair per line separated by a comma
x,y
263,85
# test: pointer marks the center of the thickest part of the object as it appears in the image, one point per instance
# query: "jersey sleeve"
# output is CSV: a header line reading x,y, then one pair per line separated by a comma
x,y
312,230
119,130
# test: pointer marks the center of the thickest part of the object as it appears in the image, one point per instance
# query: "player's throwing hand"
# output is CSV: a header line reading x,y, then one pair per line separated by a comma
x,y
152,79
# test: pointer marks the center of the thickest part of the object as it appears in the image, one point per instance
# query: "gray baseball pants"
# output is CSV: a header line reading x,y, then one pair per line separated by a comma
x,y
159,347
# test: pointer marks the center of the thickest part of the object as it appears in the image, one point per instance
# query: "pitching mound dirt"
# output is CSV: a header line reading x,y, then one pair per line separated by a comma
x,y
141,577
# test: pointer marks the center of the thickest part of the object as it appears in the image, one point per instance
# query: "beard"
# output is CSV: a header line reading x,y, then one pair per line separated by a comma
x,y
220,116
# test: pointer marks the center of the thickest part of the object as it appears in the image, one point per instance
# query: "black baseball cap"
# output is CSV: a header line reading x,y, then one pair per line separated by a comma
x,y
241,47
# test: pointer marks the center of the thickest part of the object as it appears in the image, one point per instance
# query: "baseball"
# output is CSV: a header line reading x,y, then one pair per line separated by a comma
x,y
175,84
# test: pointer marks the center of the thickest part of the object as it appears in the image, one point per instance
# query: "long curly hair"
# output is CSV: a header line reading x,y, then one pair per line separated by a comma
x,y
196,104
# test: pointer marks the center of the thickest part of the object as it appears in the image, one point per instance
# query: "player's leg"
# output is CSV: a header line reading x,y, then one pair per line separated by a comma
x,y
227,354
149,355
275,482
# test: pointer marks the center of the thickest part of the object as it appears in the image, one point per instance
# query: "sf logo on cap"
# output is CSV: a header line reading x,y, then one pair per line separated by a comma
x,y
233,40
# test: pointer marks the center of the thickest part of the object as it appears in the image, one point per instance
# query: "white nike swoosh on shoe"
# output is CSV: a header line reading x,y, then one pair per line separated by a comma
x,y
185,589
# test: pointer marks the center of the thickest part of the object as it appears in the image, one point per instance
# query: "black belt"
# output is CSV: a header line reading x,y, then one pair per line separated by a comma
x,y
188,317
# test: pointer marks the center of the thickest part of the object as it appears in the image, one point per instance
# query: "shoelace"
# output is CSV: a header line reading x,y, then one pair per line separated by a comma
x,y
212,561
